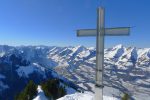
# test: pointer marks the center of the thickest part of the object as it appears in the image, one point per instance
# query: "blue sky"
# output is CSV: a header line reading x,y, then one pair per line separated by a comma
x,y
54,22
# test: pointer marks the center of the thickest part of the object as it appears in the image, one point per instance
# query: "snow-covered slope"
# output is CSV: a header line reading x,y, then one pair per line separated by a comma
x,y
41,95
2,85
127,69
84,96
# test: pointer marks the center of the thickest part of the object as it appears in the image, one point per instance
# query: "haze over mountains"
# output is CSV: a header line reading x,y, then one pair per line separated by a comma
x,y
127,69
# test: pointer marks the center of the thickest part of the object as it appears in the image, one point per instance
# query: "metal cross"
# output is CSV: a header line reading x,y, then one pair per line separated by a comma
x,y
100,32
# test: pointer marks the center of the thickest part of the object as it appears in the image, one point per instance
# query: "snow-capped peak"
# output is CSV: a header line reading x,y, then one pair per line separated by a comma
x,y
115,52
92,48
118,46
78,48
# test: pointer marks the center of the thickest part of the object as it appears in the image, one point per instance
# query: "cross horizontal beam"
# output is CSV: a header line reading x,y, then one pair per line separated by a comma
x,y
119,31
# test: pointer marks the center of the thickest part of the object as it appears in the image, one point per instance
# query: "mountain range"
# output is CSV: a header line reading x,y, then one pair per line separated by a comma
x,y
126,69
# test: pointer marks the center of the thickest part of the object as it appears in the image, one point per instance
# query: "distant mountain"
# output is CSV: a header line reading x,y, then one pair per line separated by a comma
x,y
18,65
127,69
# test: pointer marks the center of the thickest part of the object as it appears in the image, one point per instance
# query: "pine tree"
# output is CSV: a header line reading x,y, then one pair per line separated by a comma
x,y
28,93
53,89
125,97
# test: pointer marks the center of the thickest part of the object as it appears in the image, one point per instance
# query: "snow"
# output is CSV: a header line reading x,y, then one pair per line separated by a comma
x,y
84,96
2,54
141,52
84,53
77,49
41,95
78,96
2,76
2,85
118,46
25,71
91,59
116,52
129,64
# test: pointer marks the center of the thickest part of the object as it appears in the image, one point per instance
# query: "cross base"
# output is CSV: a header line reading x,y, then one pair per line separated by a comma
x,y
98,93
99,86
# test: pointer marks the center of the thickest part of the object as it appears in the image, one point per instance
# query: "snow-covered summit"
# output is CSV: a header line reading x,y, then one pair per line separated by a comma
x,y
84,96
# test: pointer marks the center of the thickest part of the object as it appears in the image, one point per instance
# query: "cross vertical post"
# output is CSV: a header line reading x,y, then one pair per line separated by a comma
x,y
99,53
